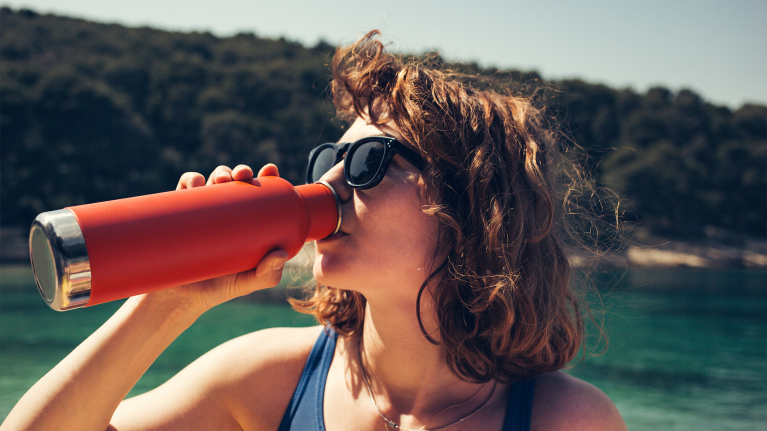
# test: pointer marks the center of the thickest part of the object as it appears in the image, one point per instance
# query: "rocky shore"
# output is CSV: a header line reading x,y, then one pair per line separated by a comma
x,y
683,254
750,253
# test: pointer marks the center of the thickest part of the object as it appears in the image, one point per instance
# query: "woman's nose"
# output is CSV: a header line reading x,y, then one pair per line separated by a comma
x,y
335,177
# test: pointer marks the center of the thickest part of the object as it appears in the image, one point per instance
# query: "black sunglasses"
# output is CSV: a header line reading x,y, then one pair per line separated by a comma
x,y
366,160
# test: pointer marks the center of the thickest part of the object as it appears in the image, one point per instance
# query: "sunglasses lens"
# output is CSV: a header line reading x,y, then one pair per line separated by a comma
x,y
323,162
364,162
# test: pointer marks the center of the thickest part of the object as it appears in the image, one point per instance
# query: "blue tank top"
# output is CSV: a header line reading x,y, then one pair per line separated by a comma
x,y
305,412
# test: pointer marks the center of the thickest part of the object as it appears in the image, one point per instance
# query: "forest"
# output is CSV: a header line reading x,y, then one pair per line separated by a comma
x,y
92,112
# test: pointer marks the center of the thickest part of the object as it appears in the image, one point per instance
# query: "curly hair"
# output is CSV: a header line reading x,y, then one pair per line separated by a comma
x,y
502,298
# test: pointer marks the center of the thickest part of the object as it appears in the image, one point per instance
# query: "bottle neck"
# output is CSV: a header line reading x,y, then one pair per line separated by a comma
x,y
323,208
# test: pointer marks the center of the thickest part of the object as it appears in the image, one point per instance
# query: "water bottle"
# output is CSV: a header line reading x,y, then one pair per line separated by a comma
x,y
90,254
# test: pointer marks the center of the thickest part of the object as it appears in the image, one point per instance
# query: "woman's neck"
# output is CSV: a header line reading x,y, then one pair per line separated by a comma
x,y
408,374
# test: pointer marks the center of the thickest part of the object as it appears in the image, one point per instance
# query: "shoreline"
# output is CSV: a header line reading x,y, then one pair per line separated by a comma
x,y
750,253
682,254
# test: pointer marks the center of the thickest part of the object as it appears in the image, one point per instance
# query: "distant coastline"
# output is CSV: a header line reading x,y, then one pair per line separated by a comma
x,y
749,253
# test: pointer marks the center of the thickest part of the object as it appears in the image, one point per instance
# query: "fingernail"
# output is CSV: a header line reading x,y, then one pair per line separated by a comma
x,y
278,265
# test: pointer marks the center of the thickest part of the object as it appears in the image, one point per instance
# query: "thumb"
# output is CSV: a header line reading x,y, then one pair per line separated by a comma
x,y
268,273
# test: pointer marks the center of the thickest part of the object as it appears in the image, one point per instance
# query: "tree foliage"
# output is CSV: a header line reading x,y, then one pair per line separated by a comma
x,y
684,165
90,112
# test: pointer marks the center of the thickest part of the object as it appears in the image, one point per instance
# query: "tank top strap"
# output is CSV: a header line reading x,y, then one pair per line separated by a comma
x,y
520,406
304,413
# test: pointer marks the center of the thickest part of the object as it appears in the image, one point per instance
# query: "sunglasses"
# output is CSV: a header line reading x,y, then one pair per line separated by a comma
x,y
366,160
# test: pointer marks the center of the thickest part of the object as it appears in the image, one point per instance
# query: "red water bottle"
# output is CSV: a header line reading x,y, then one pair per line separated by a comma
x,y
95,253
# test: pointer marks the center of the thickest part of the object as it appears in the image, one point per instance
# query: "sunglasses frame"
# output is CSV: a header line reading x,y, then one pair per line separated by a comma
x,y
391,148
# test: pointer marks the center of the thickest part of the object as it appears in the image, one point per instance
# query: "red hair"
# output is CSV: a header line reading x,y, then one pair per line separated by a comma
x,y
502,297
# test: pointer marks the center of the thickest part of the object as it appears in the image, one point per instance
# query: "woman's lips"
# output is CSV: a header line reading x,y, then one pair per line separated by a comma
x,y
338,235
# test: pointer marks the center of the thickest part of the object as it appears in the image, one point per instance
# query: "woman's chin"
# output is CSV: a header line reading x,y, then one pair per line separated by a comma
x,y
325,270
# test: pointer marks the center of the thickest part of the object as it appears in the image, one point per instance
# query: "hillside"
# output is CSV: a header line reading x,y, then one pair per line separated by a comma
x,y
90,112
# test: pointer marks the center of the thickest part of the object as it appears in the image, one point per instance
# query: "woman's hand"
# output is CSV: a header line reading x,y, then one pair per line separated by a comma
x,y
209,293
83,391
224,174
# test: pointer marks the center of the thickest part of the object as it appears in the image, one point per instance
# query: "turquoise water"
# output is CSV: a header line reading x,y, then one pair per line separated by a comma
x,y
687,350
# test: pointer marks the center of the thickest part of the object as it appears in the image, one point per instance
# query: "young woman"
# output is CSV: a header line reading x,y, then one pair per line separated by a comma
x,y
444,299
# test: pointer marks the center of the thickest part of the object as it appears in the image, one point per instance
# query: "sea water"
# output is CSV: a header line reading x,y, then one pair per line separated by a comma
x,y
687,348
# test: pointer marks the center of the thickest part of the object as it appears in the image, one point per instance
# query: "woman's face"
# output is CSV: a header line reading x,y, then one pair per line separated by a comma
x,y
385,241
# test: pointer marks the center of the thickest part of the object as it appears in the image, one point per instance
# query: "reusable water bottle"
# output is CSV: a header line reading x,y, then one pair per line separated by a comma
x,y
95,253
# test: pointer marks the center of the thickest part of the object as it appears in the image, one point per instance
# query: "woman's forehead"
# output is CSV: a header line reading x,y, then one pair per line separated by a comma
x,y
361,128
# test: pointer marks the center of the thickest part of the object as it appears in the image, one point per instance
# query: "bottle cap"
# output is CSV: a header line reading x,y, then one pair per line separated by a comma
x,y
60,260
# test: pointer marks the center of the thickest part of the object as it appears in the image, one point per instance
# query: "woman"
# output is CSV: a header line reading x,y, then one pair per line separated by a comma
x,y
444,299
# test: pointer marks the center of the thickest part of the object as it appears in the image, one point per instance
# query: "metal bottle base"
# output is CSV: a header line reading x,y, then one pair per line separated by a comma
x,y
60,260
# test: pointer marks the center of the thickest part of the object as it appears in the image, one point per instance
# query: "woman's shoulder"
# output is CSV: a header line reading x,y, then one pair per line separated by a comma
x,y
272,354
257,373
563,402
247,381
274,345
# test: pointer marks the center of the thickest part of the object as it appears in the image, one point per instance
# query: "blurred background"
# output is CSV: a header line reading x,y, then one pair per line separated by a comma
x,y
664,102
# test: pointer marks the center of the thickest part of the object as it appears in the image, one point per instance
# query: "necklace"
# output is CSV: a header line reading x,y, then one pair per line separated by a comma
x,y
393,425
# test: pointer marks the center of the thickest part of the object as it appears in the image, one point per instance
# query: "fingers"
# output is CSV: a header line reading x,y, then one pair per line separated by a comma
x,y
190,180
242,173
269,170
222,174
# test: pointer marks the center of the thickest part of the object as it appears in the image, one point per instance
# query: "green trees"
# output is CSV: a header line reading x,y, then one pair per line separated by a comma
x,y
684,165
90,112
68,140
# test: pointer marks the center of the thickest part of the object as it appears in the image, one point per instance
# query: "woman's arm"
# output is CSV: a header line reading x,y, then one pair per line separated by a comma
x,y
245,383
83,390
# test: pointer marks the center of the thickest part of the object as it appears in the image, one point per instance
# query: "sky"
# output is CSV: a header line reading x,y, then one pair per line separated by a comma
x,y
715,48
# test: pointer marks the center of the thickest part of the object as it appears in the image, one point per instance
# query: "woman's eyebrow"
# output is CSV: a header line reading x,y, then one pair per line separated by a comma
x,y
373,135
379,133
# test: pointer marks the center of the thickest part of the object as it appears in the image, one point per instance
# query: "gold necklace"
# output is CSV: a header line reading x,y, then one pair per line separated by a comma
x,y
393,425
